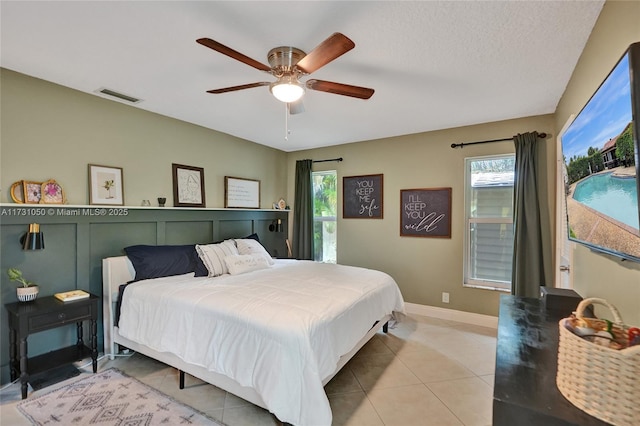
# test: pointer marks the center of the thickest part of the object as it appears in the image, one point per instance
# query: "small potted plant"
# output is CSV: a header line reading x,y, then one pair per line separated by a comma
x,y
28,291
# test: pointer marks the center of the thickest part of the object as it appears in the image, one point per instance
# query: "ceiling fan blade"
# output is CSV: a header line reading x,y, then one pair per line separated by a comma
x,y
241,87
296,107
218,47
336,45
340,89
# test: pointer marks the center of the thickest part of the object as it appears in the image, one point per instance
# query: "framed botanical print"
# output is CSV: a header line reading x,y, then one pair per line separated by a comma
x,y
106,185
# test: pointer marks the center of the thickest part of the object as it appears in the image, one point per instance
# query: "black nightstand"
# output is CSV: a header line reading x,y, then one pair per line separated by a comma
x,y
45,313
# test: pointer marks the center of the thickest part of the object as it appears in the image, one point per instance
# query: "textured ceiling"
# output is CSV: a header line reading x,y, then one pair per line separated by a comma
x,y
433,65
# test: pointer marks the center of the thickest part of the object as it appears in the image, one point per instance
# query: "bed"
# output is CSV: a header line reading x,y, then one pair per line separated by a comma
x,y
273,335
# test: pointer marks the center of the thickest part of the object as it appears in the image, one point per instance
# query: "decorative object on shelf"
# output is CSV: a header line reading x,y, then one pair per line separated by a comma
x,y
598,365
282,205
161,201
188,186
52,193
241,193
32,192
33,239
17,192
146,203
106,185
363,197
425,212
28,291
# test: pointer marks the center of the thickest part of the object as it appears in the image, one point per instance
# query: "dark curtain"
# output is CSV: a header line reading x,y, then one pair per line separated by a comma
x,y
527,273
303,212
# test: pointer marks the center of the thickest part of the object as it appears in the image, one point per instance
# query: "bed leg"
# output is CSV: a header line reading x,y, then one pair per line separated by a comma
x,y
181,379
385,327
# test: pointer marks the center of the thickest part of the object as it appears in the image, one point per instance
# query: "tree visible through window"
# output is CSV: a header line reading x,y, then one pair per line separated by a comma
x,y
489,221
325,202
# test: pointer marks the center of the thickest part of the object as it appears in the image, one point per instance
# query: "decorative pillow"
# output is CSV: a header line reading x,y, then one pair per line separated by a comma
x,y
162,261
253,236
241,263
212,255
251,246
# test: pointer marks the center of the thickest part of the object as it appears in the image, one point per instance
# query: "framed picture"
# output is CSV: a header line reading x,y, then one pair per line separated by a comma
x,y
52,193
425,212
32,192
188,186
362,197
106,185
241,193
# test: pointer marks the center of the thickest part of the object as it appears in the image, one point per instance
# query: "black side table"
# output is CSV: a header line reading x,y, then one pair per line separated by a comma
x,y
45,313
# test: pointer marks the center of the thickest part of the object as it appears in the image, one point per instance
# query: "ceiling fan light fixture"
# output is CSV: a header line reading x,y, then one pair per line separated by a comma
x,y
287,89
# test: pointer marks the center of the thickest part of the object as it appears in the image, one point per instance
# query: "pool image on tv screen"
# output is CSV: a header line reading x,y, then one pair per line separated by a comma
x,y
600,152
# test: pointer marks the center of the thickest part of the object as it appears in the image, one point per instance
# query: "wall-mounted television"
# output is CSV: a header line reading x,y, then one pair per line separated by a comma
x,y
600,149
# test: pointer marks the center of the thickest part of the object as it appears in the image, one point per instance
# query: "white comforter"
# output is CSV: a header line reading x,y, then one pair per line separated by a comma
x,y
280,330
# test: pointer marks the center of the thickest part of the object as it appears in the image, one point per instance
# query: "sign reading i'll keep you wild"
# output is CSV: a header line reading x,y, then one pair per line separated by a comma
x,y
425,212
362,197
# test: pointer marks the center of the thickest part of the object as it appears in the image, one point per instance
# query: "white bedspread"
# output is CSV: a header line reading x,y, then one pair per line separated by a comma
x,y
280,330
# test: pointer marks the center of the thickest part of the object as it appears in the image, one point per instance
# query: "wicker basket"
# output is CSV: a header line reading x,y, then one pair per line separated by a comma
x,y
603,382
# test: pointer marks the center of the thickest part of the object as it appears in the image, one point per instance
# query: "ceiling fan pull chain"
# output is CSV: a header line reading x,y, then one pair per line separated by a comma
x,y
286,121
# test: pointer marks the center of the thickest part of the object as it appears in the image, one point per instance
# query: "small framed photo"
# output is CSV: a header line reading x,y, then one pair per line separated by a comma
x,y
52,193
188,186
106,185
242,193
32,192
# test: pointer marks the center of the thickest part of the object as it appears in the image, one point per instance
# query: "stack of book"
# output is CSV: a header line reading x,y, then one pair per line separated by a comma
x,y
68,296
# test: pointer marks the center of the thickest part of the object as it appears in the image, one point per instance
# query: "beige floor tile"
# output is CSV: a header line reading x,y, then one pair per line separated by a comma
x,y
343,382
470,399
375,346
477,357
411,406
431,366
489,379
381,371
353,409
248,415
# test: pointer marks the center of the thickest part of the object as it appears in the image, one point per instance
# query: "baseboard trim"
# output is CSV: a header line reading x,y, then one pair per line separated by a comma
x,y
452,315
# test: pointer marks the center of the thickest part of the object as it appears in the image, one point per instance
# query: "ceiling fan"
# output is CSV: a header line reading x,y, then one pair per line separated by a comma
x,y
288,64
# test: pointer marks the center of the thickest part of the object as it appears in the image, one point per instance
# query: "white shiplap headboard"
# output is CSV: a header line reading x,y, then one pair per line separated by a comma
x,y
115,272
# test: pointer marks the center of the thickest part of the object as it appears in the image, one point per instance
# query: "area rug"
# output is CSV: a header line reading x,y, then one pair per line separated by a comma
x,y
109,398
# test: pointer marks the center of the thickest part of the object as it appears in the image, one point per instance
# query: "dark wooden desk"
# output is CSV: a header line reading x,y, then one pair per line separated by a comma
x,y
525,391
45,313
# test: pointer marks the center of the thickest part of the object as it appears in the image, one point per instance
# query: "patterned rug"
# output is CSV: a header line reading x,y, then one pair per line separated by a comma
x,y
109,398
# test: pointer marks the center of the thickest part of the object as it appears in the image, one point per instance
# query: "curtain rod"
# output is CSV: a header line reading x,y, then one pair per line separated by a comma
x,y
461,145
331,159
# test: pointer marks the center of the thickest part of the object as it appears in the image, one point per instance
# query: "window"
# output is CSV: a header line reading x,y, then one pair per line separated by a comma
x,y
489,221
325,202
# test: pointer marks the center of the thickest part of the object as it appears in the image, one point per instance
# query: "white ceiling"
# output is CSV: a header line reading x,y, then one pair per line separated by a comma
x,y
433,65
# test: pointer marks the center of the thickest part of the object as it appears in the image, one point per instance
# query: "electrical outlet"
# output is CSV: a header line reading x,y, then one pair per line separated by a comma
x,y
445,297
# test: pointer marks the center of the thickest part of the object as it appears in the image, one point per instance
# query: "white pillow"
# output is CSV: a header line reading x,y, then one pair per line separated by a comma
x,y
241,263
212,255
250,246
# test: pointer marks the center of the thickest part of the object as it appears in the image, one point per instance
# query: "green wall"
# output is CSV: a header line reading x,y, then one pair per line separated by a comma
x,y
52,132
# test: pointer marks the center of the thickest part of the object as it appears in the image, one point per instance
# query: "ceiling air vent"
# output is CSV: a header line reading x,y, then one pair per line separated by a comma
x,y
117,95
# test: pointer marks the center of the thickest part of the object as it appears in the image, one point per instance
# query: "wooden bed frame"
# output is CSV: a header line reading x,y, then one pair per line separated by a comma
x,y
119,270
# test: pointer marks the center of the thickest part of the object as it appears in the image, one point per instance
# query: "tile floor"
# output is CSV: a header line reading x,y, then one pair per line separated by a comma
x,y
426,371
